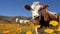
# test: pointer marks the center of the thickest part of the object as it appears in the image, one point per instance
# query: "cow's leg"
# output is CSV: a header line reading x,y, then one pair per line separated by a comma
x,y
36,31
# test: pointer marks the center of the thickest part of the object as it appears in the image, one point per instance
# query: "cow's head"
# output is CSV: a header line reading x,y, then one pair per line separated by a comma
x,y
36,7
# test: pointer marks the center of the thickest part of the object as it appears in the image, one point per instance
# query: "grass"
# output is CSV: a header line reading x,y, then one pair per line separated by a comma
x,y
24,28
14,28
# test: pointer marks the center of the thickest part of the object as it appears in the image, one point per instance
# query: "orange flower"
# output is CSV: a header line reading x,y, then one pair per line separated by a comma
x,y
28,32
49,30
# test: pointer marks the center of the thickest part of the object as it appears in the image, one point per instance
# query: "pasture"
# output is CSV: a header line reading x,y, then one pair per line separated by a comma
x,y
15,29
28,29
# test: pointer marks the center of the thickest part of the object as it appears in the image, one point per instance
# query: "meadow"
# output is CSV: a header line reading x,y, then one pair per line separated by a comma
x,y
29,28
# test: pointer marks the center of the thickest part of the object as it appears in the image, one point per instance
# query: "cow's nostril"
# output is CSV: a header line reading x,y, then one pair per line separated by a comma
x,y
36,17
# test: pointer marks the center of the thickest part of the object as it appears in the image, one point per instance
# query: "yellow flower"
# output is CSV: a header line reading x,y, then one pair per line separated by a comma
x,y
28,32
31,24
19,30
58,29
49,30
38,26
6,32
53,23
5,28
13,32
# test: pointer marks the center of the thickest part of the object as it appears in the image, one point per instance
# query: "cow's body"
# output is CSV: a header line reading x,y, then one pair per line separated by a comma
x,y
46,17
24,21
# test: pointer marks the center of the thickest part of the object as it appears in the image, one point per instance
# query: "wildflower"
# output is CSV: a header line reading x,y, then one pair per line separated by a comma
x,y
28,32
58,29
13,32
5,28
19,30
53,23
31,24
49,30
6,31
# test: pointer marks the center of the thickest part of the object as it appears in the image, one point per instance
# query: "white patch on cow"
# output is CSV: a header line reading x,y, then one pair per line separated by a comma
x,y
16,19
53,13
35,7
24,21
21,21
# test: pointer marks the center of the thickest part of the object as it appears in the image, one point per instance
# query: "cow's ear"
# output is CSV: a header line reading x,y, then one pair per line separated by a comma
x,y
45,6
28,7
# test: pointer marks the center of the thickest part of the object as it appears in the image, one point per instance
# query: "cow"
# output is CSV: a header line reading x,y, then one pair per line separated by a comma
x,y
41,14
21,21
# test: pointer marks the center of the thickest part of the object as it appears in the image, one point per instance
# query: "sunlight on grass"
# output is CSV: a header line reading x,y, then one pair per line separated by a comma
x,y
28,29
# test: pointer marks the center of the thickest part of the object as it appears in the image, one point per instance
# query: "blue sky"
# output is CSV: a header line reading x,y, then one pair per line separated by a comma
x,y
16,7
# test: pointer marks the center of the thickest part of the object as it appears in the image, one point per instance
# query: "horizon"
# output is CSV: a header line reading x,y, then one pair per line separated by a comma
x,y
16,7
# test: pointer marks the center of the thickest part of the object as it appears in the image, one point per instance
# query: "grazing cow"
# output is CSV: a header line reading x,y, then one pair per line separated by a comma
x,y
20,21
16,20
40,13
24,21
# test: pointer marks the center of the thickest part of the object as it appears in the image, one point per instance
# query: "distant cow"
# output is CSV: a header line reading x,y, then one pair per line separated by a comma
x,y
24,21
16,20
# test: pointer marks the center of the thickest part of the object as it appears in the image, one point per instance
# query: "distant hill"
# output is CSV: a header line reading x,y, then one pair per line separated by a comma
x,y
8,19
